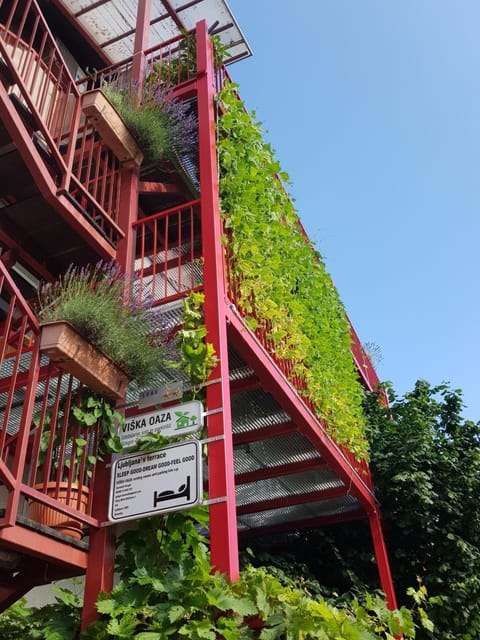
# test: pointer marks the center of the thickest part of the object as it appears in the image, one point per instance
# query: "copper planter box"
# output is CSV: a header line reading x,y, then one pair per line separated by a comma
x,y
73,354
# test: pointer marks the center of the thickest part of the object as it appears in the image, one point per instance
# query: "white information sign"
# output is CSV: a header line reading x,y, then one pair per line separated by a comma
x,y
154,482
172,421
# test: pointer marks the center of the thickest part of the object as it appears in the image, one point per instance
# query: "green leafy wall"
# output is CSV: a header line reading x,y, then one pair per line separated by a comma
x,y
274,265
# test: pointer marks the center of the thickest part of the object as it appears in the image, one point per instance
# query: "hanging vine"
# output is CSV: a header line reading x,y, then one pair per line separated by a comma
x,y
197,356
281,284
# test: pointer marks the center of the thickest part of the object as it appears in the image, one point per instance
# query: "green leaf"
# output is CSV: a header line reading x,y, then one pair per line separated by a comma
x,y
123,627
176,612
241,606
106,606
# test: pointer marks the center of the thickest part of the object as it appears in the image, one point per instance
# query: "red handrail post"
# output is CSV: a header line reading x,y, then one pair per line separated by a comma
x,y
223,521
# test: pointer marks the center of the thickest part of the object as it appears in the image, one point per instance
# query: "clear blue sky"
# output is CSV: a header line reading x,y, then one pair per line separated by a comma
x,y
373,108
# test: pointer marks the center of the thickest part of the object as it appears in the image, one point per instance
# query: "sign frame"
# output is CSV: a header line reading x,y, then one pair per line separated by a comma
x,y
190,416
135,482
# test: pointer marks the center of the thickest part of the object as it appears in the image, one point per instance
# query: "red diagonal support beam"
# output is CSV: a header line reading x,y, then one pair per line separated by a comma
x,y
35,164
246,343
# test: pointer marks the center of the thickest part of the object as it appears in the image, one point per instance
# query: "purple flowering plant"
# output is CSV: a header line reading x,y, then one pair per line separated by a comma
x,y
95,300
163,126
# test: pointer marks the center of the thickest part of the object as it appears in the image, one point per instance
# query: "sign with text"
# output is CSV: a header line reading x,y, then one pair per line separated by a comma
x,y
173,421
155,482
166,393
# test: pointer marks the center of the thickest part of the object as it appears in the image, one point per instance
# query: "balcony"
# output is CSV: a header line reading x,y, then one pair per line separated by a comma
x,y
70,209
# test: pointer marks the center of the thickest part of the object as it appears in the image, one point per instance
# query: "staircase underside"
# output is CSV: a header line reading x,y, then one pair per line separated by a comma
x,y
29,224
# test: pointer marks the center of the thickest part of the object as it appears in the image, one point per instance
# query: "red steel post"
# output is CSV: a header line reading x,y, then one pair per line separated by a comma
x,y
101,554
128,210
101,557
223,520
386,581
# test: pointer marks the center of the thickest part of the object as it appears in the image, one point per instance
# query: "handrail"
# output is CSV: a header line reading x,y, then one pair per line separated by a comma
x,y
48,96
173,62
168,263
38,441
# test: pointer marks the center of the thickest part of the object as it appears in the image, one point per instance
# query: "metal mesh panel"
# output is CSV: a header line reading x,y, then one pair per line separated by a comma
x,y
164,320
312,510
273,452
16,408
178,279
238,369
295,484
254,410
317,480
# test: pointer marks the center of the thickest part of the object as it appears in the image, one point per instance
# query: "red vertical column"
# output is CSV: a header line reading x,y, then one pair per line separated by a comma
x,y
130,175
101,554
223,520
382,559
101,557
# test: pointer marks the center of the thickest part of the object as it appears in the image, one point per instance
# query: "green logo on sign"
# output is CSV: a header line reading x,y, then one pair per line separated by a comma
x,y
184,420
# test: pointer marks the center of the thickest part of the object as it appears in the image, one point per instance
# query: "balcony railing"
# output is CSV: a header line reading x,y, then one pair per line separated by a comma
x,y
40,458
169,256
45,94
166,66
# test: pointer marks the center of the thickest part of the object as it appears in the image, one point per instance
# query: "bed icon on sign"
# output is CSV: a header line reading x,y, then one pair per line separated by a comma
x,y
182,492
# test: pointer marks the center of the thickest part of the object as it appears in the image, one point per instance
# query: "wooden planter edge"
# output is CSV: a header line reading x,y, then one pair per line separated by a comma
x,y
111,127
73,354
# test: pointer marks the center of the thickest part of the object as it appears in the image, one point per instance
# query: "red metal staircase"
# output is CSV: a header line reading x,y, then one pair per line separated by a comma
x,y
271,464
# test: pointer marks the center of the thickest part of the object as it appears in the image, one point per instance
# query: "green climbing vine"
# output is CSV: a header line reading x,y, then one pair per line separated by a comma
x,y
280,281
197,356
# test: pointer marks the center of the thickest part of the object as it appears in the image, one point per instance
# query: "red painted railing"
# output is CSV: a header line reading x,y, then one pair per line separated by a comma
x,y
44,92
39,455
95,181
167,65
221,78
169,257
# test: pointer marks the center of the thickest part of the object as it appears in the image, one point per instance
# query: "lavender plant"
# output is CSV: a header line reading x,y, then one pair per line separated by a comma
x,y
163,126
94,300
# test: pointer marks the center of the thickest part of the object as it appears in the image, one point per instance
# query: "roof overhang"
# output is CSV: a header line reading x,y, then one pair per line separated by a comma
x,y
111,24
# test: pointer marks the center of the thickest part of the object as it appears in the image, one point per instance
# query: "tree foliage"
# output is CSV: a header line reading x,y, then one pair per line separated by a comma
x,y
425,462
426,468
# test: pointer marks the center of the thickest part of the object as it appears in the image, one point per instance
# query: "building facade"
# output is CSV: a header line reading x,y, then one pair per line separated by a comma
x,y
74,190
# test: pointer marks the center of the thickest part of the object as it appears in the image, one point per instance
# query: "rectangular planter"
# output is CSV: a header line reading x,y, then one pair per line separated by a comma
x,y
73,354
111,127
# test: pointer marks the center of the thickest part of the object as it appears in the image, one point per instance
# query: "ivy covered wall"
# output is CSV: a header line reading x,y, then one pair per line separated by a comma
x,y
280,281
